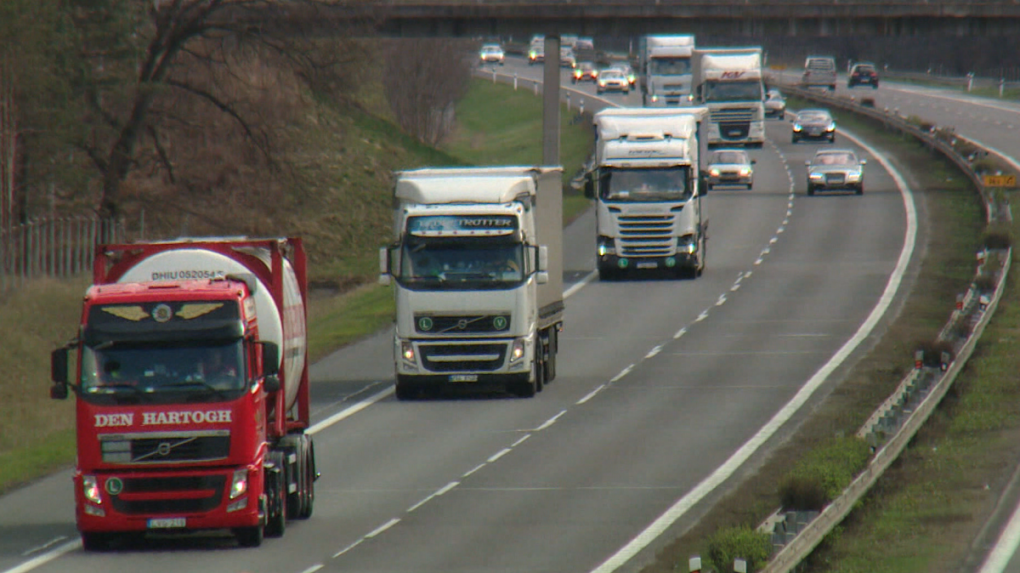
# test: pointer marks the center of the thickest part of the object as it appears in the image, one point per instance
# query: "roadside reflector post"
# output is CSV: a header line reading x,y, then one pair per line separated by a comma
x,y
694,564
739,565
580,107
959,302
568,101
945,361
918,359
515,81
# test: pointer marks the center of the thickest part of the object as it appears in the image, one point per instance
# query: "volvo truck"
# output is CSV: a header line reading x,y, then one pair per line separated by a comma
x,y
729,82
645,182
477,273
191,391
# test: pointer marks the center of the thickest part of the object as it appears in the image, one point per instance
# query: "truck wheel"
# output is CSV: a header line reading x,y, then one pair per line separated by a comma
x,y
309,474
859,190
94,541
550,363
249,536
810,189
405,389
607,273
276,492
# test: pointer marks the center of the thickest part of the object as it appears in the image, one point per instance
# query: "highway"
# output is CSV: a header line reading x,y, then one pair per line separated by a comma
x,y
665,390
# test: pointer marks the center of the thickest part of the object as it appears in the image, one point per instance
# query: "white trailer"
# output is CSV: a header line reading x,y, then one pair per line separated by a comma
x,y
728,81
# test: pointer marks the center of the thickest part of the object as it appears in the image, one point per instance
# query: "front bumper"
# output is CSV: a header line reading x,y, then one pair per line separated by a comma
x,y
679,260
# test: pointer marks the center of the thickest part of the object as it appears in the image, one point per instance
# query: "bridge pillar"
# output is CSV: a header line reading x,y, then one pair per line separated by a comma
x,y
551,102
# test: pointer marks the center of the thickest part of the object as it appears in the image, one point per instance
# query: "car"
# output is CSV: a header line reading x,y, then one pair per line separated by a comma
x,y
819,71
536,55
628,72
567,59
491,54
775,104
584,71
729,167
612,80
813,124
835,169
863,74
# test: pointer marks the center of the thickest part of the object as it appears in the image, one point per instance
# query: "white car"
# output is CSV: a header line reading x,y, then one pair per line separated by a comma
x,y
729,167
491,54
612,80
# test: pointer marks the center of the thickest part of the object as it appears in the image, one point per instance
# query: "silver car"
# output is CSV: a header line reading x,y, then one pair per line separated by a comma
x,y
729,167
775,104
835,169
815,124
491,54
612,80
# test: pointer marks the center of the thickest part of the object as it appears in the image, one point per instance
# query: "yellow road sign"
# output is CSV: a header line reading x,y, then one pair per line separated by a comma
x,y
1000,180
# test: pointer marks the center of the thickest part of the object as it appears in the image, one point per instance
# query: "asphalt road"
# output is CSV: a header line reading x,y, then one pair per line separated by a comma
x,y
666,390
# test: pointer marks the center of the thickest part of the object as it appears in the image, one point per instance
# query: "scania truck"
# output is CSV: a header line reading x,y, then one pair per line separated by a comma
x,y
664,63
646,185
191,390
728,81
477,268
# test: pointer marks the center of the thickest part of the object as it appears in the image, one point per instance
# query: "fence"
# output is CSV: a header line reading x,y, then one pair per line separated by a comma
x,y
53,248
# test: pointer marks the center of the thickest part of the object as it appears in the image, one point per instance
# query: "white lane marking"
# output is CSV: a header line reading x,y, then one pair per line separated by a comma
x,y
773,240
348,548
478,467
622,373
45,558
739,457
313,568
550,421
680,333
722,300
758,262
580,284
348,412
654,351
747,275
45,546
1005,546
740,277
438,493
591,394
383,528
520,441
735,287
781,229
702,316
498,455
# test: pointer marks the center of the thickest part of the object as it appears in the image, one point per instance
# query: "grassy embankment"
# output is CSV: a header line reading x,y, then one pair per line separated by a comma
x,y
952,224
348,149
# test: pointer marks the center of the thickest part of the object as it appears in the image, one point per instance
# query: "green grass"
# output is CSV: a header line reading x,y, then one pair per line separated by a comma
x,y
348,155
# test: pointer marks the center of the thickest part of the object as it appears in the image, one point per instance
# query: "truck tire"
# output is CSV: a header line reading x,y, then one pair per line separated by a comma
x,y
249,536
96,541
859,190
309,475
810,189
608,273
529,385
550,362
405,389
276,493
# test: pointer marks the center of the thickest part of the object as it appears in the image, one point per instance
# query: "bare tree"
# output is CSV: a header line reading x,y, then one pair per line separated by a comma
x,y
423,79
8,141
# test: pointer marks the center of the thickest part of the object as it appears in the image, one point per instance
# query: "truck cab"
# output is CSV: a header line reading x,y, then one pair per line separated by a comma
x,y
666,70
729,83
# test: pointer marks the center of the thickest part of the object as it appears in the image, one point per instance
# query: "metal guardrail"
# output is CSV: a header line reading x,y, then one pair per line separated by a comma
x,y
808,538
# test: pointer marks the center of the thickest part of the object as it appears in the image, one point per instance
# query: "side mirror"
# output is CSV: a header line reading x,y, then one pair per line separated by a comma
x,y
384,266
754,162
543,259
58,366
864,161
542,277
589,187
270,359
272,383
807,163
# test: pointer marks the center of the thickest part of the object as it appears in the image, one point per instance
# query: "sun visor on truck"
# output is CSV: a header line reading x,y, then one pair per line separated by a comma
x,y
141,322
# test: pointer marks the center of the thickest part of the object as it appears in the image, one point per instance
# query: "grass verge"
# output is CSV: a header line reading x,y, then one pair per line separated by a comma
x,y
350,155
952,223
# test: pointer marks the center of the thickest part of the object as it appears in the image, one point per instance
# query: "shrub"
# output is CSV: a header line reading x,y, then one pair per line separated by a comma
x,y
802,493
922,124
824,473
985,283
743,542
997,237
984,165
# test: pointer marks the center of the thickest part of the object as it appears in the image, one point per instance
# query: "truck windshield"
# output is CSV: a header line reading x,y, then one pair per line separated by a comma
x,y
733,91
164,373
669,66
644,185
462,263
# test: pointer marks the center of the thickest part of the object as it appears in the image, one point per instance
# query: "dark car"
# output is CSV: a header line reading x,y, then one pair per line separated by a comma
x,y
585,71
835,169
814,124
863,74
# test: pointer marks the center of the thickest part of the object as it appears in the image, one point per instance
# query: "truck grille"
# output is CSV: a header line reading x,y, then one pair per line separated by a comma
x,y
646,235
173,447
460,357
194,494
733,123
474,324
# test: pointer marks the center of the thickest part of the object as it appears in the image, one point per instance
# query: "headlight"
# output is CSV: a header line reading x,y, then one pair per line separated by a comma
x,y
595,74
517,350
407,351
90,489
606,246
602,83
713,172
655,98
239,485
832,127
686,244
745,172
853,176
797,127
816,176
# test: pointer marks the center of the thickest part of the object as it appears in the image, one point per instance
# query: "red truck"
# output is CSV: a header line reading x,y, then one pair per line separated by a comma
x,y
191,387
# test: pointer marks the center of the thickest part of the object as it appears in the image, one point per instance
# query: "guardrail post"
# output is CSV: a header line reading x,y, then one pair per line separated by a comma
x,y
970,80
515,81
568,101
739,565
493,74
580,108
536,87
694,564
1002,86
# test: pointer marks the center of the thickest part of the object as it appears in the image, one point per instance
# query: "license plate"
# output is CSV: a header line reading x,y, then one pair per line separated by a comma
x,y
463,378
647,265
734,132
167,523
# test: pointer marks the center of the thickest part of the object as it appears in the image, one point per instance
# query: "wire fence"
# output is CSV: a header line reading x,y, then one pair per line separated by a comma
x,y
57,248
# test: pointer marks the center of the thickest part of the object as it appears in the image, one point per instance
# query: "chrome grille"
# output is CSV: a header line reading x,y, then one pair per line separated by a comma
x,y
646,235
465,356
166,447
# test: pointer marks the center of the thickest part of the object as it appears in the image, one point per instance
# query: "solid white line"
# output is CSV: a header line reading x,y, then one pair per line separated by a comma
x,y
523,439
622,373
739,457
653,351
1005,546
550,421
580,284
590,395
46,557
313,568
499,454
348,412
478,467
383,528
44,546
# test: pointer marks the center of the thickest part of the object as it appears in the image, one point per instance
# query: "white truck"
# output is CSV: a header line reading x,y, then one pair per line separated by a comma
x,y
645,182
728,81
477,267
664,63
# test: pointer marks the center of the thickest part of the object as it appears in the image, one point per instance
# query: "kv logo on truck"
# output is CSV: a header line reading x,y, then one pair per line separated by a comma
x,y
732,75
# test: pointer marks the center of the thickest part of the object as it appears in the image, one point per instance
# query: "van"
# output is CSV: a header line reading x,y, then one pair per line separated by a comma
x,y
819,72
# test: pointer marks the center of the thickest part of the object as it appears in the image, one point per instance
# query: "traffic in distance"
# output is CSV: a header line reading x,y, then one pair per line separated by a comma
x,y
192,391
